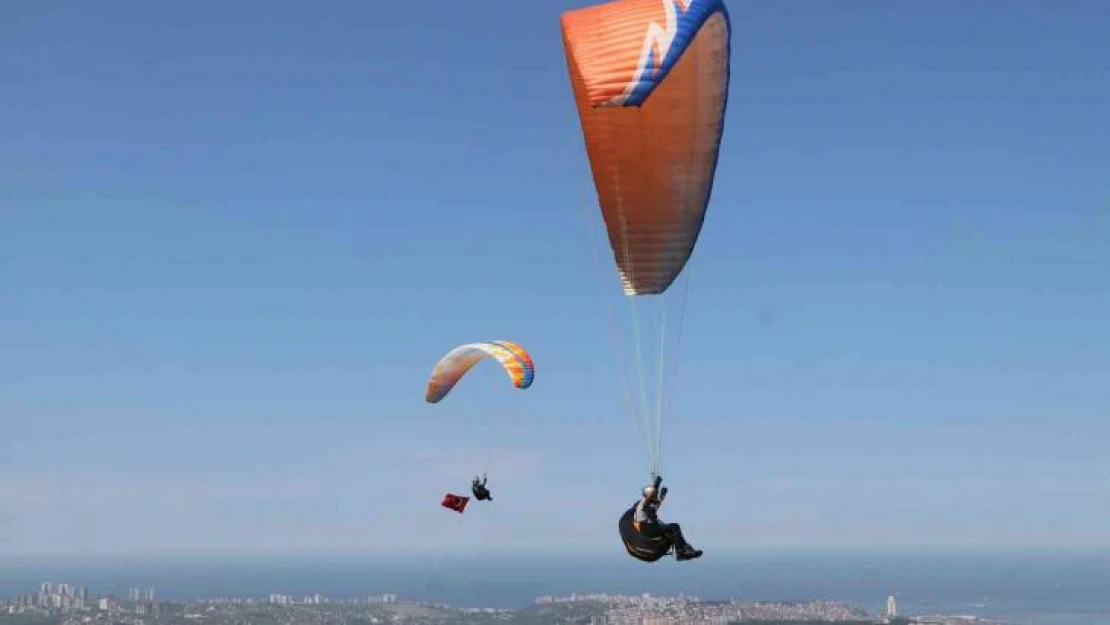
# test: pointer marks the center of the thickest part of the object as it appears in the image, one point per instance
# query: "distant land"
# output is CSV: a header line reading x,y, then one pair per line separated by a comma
x,y
67,604
1025,589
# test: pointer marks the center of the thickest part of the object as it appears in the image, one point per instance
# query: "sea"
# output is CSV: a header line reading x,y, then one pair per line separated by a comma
x,y
1029,589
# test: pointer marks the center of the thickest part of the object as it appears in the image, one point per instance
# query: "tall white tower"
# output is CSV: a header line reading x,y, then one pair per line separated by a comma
x,y
891,606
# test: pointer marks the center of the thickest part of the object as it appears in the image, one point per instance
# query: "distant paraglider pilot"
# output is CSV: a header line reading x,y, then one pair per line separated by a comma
x,y
648,538
478,487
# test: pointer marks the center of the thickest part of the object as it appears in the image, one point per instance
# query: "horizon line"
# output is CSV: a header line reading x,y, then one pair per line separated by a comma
x,y
516,552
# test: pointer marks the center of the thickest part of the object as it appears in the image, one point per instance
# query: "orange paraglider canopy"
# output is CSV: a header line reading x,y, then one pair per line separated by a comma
x,y
650,80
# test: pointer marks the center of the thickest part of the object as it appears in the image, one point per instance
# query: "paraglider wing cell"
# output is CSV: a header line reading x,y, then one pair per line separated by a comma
x,y
525,360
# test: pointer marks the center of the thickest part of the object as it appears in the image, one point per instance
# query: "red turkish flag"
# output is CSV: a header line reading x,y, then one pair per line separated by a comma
x,y
455,502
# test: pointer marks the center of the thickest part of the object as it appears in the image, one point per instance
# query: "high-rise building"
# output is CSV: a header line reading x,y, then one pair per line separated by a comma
x,y
891,607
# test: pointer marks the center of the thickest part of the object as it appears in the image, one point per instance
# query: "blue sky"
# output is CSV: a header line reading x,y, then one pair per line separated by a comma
x,y
234,238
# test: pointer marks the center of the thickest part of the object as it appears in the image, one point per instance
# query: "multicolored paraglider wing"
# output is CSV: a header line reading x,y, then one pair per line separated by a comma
x,y
650,80
455,502
452,367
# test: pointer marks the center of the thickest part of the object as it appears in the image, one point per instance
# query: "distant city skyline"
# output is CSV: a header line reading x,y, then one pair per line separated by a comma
x,y
1056,588
1061,589
235,238
615,609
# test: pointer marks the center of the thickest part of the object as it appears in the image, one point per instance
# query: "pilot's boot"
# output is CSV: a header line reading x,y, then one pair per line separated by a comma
x,y
687,553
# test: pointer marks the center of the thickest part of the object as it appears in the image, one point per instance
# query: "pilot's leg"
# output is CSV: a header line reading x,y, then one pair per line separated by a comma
x,y
674,532
682,549
653,530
